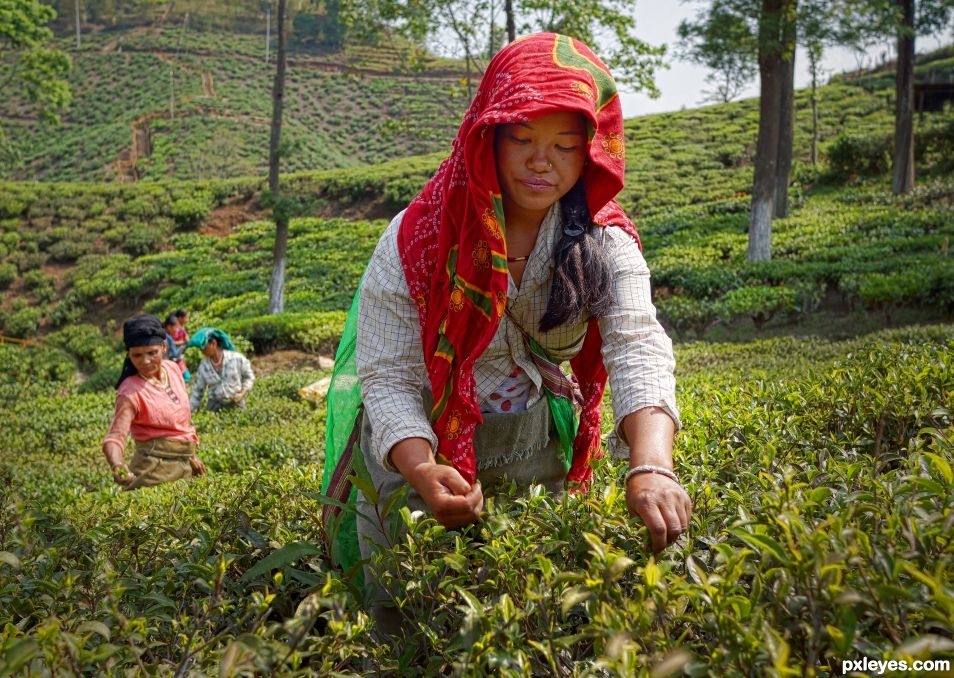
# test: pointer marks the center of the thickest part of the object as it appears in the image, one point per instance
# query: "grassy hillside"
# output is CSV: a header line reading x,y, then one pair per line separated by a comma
x,y
848,246
346,109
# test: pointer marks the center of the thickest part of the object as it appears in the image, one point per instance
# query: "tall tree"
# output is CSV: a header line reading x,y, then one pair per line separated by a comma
x,y
732,37
786,111
276,288
865,21
723,41
902,179
773,27
817,28
468,21
29,67
609,26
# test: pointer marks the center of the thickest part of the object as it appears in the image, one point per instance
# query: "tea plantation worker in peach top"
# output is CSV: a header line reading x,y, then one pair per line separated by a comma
x,y
153,406
514,259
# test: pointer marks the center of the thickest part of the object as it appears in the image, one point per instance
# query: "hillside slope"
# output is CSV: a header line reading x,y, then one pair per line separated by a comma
x,y
157,102
71,250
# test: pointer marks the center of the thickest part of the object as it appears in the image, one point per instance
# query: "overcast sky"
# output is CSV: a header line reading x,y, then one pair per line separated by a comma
x,y
682,84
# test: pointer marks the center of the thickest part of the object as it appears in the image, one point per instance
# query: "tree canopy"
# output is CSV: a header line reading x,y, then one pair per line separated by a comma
x,y
27,66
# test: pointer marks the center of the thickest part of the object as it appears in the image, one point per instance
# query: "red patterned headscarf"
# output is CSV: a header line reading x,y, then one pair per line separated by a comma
x,y
452,242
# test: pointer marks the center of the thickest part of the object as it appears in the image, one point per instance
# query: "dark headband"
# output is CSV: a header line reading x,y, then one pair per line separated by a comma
x,y
143,330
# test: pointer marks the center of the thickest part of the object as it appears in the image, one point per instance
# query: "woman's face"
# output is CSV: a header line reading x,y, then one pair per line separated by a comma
x,y
211,349
538,162
146,359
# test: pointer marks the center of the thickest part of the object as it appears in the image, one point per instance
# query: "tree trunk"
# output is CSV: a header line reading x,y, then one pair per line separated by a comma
x,y
814,56
276,289
903,176
76,7
766,148
511,22
783,170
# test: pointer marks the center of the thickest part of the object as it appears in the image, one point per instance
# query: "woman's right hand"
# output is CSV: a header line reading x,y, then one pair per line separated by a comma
x,y
452,500
123,476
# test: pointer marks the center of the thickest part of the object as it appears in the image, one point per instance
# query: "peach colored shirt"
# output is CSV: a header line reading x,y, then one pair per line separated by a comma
x,y
148,411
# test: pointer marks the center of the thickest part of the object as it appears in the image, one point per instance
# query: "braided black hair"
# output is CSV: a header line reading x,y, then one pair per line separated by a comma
x,y
581,272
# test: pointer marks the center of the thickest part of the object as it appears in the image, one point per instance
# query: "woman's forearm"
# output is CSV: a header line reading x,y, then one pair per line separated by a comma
x,y
649,433
114,454
410,453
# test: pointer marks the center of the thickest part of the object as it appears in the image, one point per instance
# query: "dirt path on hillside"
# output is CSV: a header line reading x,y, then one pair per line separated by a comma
x,y
290,361
208,85
223,220
156,28
113,45
140,147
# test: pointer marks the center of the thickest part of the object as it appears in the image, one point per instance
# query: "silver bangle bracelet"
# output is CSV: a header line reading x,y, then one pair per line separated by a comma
x,y
649,468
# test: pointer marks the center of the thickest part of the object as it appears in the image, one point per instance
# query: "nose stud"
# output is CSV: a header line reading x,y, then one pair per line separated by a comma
x,y
549,165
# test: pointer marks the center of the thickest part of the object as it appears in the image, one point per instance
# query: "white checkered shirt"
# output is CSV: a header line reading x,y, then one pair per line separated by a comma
x,y
636,351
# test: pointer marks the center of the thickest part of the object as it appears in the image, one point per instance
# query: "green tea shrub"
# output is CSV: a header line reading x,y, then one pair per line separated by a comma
x,y
8,274
859,154
936,142
688,314
28,261
102,380
760,303
38,279
398,193
14,206
318,332
144,239
24,323
820,473
23,365
189,212
706,280
87,345
69,249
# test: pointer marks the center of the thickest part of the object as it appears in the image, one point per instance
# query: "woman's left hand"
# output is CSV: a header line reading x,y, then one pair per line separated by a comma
x,y
662,504
198,468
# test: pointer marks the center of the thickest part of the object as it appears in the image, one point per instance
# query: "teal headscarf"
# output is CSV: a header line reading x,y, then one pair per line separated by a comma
x,y
201,338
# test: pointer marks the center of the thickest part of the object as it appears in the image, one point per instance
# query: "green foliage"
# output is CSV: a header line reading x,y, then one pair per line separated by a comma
x,y
86,345
859,154
8,273
759,303
20,367
189,212
29,65
339,112
318,332
822,486
722,41
24,323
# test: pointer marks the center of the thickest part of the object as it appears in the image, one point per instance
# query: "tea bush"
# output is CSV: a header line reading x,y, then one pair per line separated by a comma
x,y
859,154
820,474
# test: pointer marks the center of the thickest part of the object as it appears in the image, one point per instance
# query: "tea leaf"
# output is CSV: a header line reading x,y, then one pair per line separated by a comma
x,y
282,557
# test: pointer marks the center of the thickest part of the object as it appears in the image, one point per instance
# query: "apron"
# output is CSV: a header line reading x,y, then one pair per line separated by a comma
x,y
160,460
